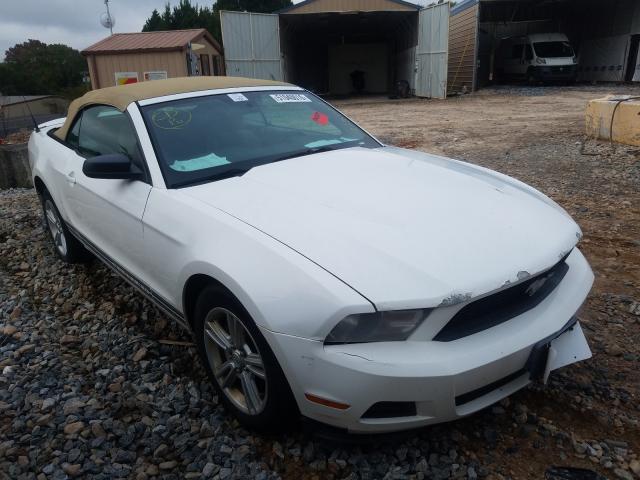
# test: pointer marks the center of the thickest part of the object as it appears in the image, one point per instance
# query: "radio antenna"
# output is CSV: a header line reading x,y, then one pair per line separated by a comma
x,y
33,119
106,19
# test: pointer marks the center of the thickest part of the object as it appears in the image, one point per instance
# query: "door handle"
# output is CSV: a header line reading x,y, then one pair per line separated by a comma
x,y
71,177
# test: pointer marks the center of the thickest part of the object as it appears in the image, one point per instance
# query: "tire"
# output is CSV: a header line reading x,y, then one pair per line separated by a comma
x,y
231,344
66,246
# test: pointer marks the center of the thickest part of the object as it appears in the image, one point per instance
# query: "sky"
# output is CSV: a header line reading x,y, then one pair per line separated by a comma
x,y
73,22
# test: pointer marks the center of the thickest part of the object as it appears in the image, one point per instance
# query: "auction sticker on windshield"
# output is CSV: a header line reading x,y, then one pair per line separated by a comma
x,y
237,97
290,98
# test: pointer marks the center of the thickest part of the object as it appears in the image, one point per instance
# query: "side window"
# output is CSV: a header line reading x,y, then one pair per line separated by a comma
x,y
516,53
74,133
108,130
528,52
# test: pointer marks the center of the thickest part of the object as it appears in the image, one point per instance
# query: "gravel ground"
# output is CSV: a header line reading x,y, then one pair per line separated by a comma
x,y
96,383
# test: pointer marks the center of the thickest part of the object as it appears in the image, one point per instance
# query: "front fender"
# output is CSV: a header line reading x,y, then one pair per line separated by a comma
x,y
282,290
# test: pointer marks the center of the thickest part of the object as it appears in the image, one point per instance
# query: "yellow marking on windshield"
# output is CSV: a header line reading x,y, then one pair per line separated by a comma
x,y
169,118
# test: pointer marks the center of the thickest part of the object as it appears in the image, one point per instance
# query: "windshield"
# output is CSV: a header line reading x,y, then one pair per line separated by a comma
x,y
553,49
207,138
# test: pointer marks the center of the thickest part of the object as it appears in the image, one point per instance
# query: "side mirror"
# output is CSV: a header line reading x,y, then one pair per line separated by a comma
x,y
111,166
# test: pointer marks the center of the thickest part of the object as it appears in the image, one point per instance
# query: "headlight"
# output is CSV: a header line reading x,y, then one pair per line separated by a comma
x,y
394,326
541,61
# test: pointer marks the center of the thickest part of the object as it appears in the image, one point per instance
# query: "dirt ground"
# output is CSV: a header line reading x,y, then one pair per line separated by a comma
x,y
537,135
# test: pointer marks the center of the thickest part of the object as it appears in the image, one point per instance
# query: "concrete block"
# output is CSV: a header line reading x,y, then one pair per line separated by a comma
x,y
624,110
15,171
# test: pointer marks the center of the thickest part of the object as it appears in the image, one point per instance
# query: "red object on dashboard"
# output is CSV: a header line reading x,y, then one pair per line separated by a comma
x,y
320,118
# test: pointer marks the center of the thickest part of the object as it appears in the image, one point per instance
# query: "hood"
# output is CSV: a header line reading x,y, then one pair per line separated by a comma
x,y
403,228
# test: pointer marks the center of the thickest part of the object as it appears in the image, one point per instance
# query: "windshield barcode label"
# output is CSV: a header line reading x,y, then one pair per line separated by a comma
x,y
237,97
290,98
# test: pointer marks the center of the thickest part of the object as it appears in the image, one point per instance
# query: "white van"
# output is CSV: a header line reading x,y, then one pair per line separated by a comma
x,y
539,57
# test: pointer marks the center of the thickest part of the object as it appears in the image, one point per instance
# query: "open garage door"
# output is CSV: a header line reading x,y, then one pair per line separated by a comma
x,y
433,51
252,45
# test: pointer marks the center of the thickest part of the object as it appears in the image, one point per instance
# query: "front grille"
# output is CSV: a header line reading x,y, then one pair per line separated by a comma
x,y
564,69
391,410
503,306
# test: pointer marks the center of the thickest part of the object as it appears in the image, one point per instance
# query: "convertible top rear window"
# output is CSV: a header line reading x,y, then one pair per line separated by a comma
x,y
207,138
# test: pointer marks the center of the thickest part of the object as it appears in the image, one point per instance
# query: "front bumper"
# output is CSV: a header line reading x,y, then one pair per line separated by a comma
x,y
554,72
445,380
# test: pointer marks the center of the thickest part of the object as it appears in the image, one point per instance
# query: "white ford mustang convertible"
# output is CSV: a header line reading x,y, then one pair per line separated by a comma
x,y
321,272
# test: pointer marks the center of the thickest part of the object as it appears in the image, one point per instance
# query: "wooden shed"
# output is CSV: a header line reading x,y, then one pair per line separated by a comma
x,y
136,57
323,6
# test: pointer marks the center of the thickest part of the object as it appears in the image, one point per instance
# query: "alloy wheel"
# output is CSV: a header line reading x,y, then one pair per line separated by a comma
x,y
235,360
55,227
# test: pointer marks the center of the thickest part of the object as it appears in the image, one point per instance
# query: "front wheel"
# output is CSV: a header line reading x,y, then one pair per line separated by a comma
x,y
240,363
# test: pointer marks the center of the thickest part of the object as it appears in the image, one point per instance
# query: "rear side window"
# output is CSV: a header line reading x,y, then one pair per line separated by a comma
x,y
74,133
103,130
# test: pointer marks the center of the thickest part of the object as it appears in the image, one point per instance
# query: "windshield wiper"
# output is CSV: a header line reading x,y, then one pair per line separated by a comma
x,y
306,151
231,172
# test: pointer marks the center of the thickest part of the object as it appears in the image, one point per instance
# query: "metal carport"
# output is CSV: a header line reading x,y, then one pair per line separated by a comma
x,y
605,35
319,43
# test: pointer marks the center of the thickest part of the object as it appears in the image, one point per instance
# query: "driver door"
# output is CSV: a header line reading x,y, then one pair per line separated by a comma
x,y
107,212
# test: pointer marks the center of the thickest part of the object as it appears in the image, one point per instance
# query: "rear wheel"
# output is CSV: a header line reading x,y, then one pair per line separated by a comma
x,y
66,246
240,363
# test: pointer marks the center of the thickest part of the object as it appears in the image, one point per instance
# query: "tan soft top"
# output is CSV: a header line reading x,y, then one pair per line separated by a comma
x,y
121,96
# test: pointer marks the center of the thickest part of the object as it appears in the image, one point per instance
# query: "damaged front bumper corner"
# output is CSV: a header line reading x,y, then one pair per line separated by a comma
x,y
442,381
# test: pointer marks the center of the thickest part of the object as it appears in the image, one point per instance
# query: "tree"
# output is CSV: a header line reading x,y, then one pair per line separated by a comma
x,y
188,15
29,51
260,6
184,15
33,68
154,23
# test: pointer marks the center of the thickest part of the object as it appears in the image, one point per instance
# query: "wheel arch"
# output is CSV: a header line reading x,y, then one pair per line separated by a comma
x,y
39,185
192,288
